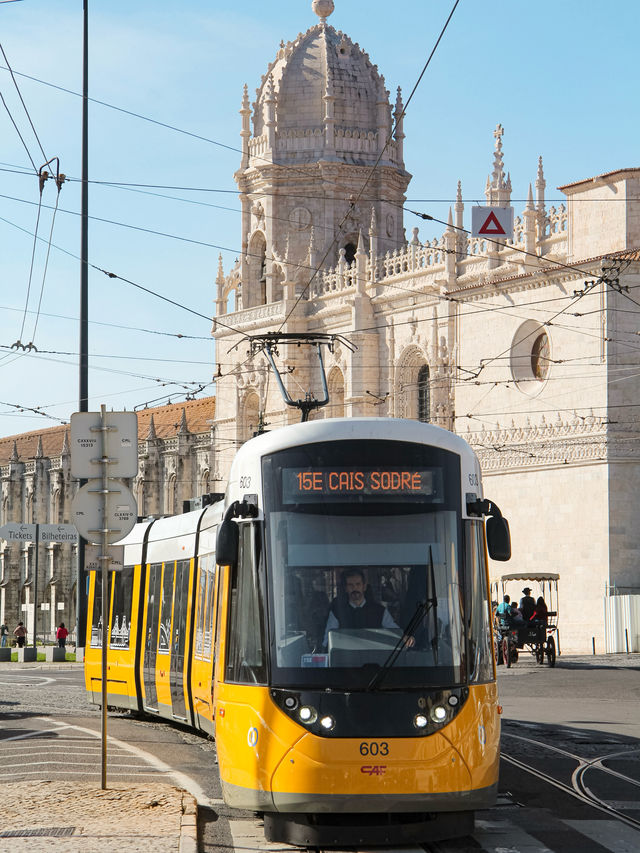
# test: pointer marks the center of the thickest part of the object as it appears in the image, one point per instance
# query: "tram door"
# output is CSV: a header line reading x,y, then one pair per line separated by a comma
x,y
180,600
151,641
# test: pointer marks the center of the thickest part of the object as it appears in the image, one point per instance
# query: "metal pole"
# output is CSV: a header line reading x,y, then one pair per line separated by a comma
x,y
104,559
35,589
83,405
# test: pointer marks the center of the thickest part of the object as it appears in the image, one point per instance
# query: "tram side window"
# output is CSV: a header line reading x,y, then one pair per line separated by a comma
x,y
164,640
210,607
480,657
96,616
202,598
245,649
121,609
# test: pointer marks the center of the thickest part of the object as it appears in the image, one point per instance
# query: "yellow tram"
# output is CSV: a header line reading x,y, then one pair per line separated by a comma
x,y
328,621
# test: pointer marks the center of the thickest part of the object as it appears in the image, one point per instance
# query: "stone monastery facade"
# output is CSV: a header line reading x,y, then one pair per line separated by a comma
x,y
527,347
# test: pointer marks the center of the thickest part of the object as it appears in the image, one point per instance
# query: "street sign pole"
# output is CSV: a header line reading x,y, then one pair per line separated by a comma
x,y
105,560
104,509
35,588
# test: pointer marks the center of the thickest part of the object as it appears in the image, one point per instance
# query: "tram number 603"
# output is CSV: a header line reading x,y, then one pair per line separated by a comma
x,y
374,748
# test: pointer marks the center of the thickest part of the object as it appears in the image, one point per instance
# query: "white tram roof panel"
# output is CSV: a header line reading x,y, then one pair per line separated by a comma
x,y
343,429
173,538
133,543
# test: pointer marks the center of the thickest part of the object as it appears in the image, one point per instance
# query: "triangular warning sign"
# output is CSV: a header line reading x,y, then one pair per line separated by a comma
x,y
491,227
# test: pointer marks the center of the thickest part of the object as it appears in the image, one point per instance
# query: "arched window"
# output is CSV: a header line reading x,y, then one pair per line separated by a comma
x,y
250,416
257,259
171,495
424,397
350,252
335,385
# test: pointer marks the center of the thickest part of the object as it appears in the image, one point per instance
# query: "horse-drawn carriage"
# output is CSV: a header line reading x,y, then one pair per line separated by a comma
x,y
541,636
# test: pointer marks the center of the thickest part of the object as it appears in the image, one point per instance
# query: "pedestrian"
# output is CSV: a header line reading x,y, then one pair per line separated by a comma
x,y
4,633
20,633
61,635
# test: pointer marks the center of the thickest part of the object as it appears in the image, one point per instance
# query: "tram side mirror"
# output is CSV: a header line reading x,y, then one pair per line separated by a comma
x,y
498,538
227,543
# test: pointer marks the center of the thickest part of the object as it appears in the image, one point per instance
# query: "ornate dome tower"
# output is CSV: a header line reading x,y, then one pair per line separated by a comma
x,y
319,131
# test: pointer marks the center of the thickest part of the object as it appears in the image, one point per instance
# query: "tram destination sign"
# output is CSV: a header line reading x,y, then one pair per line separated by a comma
x,y
307,484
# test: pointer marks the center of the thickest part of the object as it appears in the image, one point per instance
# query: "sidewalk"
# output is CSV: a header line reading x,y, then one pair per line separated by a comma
x,y
60,817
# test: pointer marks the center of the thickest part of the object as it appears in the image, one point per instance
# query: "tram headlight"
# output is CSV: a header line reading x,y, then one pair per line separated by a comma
x,y
307,714
420,721
327,722
438,713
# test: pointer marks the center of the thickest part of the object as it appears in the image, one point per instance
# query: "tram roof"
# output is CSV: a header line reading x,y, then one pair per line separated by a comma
x,y
343,429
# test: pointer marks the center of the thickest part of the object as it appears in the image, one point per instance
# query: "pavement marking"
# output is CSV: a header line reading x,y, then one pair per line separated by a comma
x,y
609,833
506,837
181,779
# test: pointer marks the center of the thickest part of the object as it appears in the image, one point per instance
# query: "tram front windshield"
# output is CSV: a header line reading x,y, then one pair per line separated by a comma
x,y
363,548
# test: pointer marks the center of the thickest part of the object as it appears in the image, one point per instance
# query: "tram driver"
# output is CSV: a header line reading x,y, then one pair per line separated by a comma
x,y
355,608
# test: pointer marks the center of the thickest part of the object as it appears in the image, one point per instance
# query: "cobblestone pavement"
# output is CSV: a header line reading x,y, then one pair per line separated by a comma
x,y
62,814
58,817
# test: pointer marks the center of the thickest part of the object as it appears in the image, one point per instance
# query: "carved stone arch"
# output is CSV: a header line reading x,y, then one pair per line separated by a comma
x,y
170,498
139,493
257,267
413,385
205,478
230,296
249,414
335,384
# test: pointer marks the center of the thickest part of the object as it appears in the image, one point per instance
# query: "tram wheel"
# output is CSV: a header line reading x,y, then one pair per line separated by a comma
x,y
551,651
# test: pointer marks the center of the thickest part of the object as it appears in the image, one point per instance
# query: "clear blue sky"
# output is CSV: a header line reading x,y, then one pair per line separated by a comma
x,y
562,78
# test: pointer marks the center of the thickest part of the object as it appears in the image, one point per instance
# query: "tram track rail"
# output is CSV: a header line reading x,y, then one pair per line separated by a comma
x,y
578,787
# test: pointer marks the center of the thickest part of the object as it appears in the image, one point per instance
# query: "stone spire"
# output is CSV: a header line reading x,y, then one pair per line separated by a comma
x,y
461,237
14,453
540,187
65,444
530,218
39,450
399,132
373,239
245,133
498,190
220,276
184,429
151,435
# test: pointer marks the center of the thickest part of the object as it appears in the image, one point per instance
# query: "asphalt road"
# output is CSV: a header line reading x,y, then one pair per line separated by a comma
x,y
570,772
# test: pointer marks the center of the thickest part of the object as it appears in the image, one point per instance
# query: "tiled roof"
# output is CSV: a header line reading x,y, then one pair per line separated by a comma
x,y
597,178
167,419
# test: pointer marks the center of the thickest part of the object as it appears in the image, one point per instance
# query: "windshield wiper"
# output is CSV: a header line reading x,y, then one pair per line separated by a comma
x,y
430,602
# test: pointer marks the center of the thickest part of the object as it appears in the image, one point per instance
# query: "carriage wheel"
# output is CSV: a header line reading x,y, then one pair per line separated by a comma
x,y
551,651
539,653
506,651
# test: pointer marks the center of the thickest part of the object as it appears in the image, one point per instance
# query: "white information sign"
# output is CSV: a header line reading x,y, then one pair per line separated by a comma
x,y
16,532
93,563
494,222
86,444
57,533
94,512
